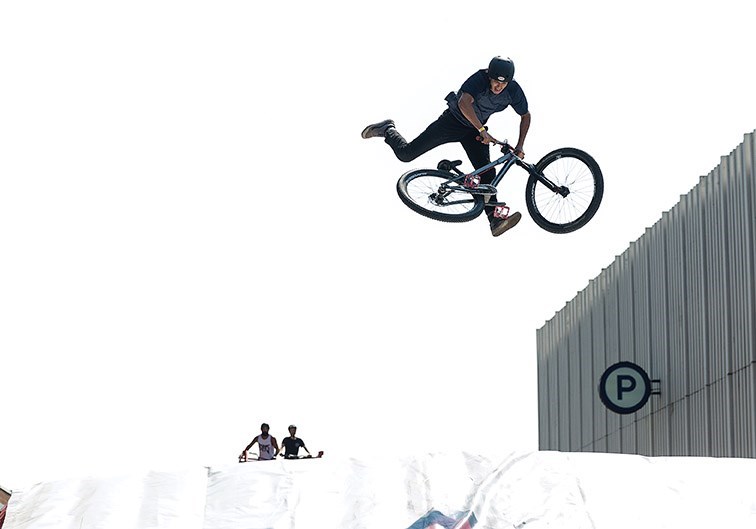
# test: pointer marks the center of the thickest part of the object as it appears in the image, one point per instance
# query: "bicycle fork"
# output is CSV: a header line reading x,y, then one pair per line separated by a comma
x,y
563,191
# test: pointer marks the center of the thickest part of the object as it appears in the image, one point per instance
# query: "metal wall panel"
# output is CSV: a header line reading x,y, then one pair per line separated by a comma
x,y
739,261
598,336
553,388
641,310
544,401
696,305
681,303
721,420
678,384
656,238
699,420
716,276
659,335
645,430
628,435
574,355
613,442
544,350
626,338
642,325
587,380
611,321
660,440
563,381
625,298
743,399
678,425
749,173
737,247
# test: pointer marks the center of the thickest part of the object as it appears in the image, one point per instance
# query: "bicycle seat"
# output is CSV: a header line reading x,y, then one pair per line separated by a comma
x,y
446,165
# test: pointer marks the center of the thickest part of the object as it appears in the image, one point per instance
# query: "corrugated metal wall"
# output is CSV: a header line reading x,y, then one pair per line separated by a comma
x,y
681,303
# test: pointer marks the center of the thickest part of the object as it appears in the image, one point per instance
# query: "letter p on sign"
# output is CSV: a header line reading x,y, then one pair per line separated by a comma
x,y
624,388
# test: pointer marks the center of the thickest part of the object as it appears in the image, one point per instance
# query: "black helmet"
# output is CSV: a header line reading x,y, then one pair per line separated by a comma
x,y
501,70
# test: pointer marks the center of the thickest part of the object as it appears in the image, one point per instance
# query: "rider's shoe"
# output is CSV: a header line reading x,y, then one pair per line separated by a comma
x,y
499,226
377,130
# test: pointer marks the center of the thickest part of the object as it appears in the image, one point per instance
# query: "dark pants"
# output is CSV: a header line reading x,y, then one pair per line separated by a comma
x,y
446,129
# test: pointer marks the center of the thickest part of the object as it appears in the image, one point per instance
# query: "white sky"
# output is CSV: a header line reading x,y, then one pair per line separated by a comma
x,y
194,238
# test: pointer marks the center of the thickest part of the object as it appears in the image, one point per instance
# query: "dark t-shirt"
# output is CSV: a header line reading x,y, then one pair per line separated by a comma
x,y
486,102
291,446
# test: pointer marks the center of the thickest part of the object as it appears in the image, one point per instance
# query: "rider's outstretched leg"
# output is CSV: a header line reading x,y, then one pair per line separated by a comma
x,y
446,129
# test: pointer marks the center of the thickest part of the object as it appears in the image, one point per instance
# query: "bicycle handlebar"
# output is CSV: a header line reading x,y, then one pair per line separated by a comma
x,y
504,144
507,148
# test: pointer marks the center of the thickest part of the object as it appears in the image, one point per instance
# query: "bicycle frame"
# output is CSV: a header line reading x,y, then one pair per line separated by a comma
x,y
507,161
563,189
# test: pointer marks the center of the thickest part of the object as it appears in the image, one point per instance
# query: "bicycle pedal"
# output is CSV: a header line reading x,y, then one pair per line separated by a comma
x,y
501,211
471,181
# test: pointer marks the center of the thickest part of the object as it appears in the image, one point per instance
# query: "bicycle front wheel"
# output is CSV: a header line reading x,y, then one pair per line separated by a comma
x,y
436,195
580,188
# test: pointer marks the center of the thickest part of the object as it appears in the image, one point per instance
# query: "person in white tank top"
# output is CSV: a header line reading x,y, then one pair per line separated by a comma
x,y
267,443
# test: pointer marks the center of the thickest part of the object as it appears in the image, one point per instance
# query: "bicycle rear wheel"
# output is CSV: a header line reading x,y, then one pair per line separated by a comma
x,y
580,190
436,195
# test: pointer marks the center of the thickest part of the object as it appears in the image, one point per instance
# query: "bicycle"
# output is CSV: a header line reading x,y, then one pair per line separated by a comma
x,y
563,191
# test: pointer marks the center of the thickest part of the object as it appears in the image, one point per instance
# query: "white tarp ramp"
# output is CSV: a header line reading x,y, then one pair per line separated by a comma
x,y
450,491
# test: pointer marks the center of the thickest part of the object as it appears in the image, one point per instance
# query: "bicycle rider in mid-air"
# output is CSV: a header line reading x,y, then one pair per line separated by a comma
x,y
485,92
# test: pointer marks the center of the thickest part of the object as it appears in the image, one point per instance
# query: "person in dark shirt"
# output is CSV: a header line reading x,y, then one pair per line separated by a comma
x,y
292,443
484,93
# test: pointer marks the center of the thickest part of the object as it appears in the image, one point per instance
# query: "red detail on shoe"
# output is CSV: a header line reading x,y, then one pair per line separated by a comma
x,y
501,212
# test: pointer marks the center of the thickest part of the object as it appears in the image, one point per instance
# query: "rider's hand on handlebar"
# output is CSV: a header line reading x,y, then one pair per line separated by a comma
x,y
486,138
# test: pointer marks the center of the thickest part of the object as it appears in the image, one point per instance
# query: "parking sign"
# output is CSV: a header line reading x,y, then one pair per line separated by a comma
x,y
624,387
